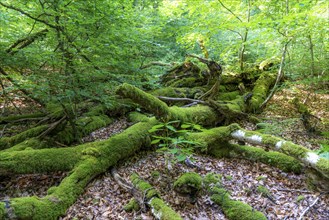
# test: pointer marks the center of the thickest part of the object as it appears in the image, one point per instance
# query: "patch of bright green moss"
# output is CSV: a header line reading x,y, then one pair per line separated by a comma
x,y
30,133
228,96
188,183
162,211
12,118
212,179
300,198
144,186
261,89
137,117
234,210
132,205
148,101
276,159
263,190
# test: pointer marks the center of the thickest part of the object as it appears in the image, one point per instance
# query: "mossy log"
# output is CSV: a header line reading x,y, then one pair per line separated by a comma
x,y
7,142
20,118
92,160
303,154
233,210
159,208
197,114
205,115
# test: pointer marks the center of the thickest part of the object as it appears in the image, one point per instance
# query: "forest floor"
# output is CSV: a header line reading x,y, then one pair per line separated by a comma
x,y
289,195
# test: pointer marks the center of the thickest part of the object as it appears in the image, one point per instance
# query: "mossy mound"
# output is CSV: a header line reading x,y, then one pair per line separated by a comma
x,y
188,183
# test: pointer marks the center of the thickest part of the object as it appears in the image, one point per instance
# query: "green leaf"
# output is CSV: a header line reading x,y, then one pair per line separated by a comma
x,y
162,149
180,157
185,126
155,141
158,126
171,128
174,150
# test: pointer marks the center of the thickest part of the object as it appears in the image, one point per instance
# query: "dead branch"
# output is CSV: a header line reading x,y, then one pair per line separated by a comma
x,y
280,75
308,208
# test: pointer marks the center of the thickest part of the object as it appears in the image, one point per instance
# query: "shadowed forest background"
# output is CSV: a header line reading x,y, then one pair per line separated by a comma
x,y
164,109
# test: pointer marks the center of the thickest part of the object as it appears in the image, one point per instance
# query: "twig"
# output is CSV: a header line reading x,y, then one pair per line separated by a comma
x,y
123,183
308,208
295,190
52,127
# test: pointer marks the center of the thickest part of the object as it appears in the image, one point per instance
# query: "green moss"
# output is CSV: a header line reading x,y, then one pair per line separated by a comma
x,y
13,118
137,117
268,64
40,161
170,92
148,101
188,183
276,159
261,178
55,110
228,96
185,92
159,208
144,187
260,90
228,177
2,210
234,210
186,82
96,110
162,211
300,198
91,151
215,140
132,205
30,133
323,166
263,190
198,114
212,179
61,197
32,143
155,174
85,126
287,147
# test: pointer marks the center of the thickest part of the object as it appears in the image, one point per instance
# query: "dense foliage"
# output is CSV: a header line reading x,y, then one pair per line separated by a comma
x,y
53,50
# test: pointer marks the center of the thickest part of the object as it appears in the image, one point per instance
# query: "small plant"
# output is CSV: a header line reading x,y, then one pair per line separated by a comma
x,y
300,198
259,178
172,142
228,177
